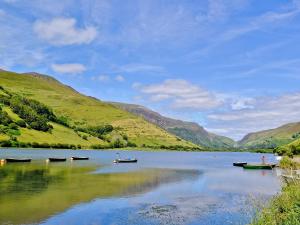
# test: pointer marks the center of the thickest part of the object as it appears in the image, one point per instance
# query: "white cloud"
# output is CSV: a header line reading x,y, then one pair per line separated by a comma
x,y
101,78
182,95
243,103
119,78
63,31
68,68
107,78
138,67
264,113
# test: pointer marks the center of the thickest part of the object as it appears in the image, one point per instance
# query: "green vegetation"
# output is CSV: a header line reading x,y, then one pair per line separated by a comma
x,y
290,149
284,209
38,111
188,131
273,138
287,163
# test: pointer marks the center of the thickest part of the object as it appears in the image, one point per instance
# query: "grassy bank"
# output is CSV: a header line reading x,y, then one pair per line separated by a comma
x,y
284,209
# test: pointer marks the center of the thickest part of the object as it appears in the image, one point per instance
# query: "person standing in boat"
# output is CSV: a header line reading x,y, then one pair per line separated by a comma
x,y
263,159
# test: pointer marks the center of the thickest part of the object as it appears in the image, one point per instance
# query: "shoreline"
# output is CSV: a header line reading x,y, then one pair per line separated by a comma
x,y
284,207
142,149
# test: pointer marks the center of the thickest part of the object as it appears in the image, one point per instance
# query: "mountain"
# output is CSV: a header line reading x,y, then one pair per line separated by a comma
x,y
272,138
186,130
82,111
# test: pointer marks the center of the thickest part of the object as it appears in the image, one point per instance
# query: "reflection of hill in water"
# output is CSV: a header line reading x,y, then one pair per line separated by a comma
x,y
165,176
31,193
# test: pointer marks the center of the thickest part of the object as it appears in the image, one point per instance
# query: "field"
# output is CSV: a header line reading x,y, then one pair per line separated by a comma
x,y
82,111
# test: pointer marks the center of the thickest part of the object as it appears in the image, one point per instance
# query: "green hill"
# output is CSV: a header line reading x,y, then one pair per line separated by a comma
x,y
80,112
186,130
272,138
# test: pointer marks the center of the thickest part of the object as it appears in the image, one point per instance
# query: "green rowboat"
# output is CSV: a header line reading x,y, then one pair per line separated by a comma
x,y
259,166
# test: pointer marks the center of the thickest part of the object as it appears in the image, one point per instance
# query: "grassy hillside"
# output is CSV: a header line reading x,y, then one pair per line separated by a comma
x,y
81,111
186,130
291,149
272,138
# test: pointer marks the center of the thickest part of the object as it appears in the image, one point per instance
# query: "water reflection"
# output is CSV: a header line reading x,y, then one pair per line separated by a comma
x,y
30,193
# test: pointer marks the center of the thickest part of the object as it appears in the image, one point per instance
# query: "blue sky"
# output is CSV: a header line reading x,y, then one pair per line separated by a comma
x,y
230,65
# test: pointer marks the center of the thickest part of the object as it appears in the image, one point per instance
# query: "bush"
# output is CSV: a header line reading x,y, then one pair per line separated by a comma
x,y
99,147
13,126
32,112
63,121
24,145
117,144
4,118
97,131
131,144
284,208
7,143
84,137
21,123
287,163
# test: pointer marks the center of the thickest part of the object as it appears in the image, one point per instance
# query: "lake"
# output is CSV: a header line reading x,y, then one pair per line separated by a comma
x,y
167,187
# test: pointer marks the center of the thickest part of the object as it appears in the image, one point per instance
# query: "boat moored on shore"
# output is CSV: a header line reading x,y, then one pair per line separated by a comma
x,y
259,166
239,164
79,158
57,159
15,160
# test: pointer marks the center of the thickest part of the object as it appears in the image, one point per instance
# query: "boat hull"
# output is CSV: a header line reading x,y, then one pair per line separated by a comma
x,y
125,161
10,160
57,159
259,166
239,164
80,158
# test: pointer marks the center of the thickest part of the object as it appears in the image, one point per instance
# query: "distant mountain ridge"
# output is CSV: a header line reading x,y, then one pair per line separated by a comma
x,y
189,131
271,138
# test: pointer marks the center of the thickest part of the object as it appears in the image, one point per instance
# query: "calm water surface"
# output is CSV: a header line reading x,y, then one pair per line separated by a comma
x,y
162,188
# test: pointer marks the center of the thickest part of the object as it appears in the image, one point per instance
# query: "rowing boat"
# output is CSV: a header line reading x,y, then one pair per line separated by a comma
x,y
239,164
259,166
79,158
14,160
57,159
125,161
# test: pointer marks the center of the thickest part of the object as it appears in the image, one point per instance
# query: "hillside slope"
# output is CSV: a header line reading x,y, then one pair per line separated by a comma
x,y
272,138
186,130
84,111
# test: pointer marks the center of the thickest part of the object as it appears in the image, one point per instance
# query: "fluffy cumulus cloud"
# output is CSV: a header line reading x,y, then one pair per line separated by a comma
x,y
68,68
181,94
63,31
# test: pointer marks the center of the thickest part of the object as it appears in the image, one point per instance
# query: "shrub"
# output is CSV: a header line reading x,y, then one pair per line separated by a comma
x,y
13,126
131,144
84,137
287,163
125,137
21,123
117,144
63,121
4,118
7,143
